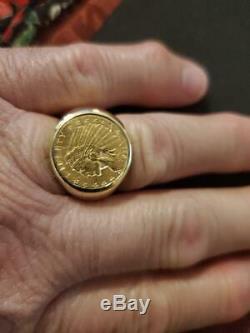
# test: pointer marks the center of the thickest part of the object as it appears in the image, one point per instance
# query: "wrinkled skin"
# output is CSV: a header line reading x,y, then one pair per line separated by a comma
x,y
60,256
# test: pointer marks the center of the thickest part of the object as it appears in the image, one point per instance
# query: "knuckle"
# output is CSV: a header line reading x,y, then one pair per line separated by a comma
x,y
156,50
88,66
153,56
144,143
157,150
167,147
236,129
65,67
232,121
79,58
234,125
141,173
187,238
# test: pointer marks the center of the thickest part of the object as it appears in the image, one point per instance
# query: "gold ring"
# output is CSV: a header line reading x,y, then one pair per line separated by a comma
x,y
90,153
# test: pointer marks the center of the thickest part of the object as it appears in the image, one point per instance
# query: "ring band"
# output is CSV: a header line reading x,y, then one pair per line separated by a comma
x,y
90,153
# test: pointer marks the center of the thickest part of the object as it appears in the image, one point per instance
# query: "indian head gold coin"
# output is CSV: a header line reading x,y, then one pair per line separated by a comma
x,y
90,153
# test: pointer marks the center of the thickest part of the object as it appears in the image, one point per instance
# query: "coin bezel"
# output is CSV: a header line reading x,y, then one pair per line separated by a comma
x,y
80,191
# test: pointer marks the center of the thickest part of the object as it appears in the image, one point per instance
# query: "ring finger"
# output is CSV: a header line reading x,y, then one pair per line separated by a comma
x,y
166,146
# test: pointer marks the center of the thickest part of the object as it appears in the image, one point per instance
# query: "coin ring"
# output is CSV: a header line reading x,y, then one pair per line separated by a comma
x,y
90,153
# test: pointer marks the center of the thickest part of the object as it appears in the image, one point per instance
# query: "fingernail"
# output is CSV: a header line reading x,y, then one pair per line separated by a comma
x,y
195,80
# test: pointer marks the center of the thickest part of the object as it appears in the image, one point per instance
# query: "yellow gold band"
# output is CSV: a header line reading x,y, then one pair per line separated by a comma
x,y
90,153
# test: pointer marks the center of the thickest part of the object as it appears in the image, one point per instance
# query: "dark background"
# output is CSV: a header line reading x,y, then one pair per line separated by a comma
x,y
214,32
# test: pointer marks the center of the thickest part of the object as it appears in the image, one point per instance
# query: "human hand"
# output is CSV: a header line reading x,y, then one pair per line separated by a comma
x,y
52,243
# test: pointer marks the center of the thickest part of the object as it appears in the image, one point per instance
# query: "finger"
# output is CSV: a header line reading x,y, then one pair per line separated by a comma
x,y
215,294
168,147
59,78
152,230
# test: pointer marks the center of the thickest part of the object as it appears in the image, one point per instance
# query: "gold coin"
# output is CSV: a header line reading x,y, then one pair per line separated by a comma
x,y
90,153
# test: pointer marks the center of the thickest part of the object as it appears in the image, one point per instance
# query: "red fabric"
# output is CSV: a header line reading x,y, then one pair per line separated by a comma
x,y
16,20
86,19
13,9
5,10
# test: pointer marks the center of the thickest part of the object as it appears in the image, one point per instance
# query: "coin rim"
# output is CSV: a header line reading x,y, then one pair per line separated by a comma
x,y
80,191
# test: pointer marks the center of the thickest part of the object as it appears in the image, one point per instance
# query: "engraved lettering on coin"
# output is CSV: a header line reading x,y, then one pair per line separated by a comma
x,y
91,151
